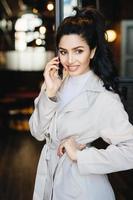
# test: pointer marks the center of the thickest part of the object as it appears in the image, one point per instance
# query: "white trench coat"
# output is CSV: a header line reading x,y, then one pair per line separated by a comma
x,y
93,113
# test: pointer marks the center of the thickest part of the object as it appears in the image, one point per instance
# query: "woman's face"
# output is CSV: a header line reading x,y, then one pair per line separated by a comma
x,y
75,54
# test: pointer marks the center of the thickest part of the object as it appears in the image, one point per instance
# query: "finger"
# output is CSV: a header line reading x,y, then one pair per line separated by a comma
x,y
61,150
53,72
50,71
51,66
55,58
55,76
81,146
54,61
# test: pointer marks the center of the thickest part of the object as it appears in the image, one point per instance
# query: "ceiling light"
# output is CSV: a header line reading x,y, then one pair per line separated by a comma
x,y
111,35
50,6
35,11
38,41
42,29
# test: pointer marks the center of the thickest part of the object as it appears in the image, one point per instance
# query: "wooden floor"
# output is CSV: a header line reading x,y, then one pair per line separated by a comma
x,y
19,154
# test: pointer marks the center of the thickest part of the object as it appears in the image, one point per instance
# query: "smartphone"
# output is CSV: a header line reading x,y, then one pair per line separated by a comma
x,y
60,70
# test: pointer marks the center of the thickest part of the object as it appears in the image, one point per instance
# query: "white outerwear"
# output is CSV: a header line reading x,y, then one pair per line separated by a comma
x,y
93,113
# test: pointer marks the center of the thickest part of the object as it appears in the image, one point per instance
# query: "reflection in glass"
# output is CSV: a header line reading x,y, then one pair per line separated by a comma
x,y
68,7
27,35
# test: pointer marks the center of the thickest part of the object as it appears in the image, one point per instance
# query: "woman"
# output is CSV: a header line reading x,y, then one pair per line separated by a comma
x,y
72,112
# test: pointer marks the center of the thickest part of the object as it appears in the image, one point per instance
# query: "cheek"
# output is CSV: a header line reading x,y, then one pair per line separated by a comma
x,y
64,65
64,61
86,61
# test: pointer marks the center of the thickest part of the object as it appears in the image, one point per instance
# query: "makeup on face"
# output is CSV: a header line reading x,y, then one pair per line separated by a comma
x,y
75,54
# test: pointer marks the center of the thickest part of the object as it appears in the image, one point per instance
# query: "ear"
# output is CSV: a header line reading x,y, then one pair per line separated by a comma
x,y
92,53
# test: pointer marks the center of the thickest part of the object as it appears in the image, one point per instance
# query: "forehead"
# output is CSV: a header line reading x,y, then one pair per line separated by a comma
x,y
72,41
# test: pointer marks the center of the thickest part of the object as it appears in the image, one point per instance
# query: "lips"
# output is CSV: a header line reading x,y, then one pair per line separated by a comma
x,y
72,68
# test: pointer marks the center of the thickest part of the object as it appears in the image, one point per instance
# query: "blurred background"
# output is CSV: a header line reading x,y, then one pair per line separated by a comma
x,y
27,32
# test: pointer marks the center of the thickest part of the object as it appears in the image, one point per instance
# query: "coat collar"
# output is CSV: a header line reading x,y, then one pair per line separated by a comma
x,y
93,84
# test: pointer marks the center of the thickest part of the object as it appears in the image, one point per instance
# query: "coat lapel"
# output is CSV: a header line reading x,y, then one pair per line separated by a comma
x,y
81,101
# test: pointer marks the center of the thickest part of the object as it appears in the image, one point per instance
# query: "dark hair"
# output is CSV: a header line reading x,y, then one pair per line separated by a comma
x,y
89,23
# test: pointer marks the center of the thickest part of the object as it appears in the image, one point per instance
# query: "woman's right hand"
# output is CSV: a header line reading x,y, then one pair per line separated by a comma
x,y
52,79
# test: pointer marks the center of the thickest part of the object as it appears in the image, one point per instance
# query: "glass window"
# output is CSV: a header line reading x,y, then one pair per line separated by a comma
x,y
26,34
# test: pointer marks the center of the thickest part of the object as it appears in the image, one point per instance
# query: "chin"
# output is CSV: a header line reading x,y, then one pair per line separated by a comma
x,y
73,74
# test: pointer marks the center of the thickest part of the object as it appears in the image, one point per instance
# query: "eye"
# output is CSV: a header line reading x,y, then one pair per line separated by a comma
x,y
62,52
79,51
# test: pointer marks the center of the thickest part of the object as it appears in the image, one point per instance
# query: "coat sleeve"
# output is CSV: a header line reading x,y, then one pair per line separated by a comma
x,y
44,110
117,131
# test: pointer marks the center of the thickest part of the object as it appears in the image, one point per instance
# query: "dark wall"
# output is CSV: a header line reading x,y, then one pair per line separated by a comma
x,y
11,81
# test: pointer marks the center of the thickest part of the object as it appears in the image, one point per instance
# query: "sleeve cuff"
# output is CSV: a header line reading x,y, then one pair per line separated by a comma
x,y
79,162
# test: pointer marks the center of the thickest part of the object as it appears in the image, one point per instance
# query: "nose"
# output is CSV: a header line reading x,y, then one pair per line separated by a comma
x,y
70,58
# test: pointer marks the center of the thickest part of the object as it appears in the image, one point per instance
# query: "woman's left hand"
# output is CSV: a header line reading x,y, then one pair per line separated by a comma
x,y
70,146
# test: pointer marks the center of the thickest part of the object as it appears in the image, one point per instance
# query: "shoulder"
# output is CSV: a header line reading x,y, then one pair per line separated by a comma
x,y
109,99
110,109
109,95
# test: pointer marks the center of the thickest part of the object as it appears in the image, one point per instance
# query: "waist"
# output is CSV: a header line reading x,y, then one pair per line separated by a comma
x,y
54,144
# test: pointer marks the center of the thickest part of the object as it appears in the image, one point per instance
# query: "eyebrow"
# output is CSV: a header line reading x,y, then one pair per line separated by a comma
x,y
60,48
